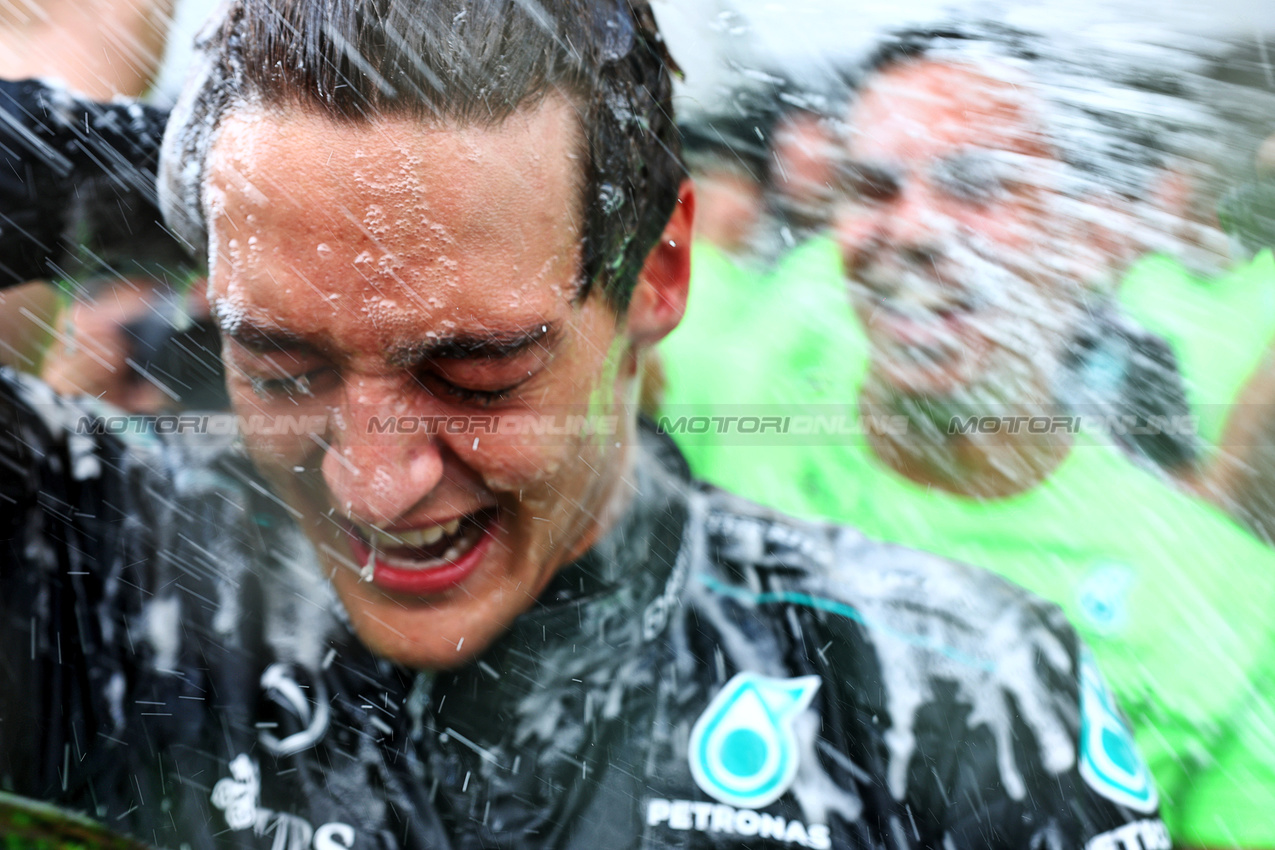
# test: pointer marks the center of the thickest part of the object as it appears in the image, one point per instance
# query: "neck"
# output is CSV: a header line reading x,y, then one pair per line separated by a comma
x,y
985,459
612,497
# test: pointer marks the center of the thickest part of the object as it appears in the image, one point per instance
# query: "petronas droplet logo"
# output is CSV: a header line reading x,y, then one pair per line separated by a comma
x,y
742,750
1109,760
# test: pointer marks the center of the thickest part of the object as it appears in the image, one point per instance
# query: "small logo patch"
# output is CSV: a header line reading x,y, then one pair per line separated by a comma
x,y
1109,760
742,749
1104,597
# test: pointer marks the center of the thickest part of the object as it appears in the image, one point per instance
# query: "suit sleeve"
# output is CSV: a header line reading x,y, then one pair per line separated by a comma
x,y
65,532
66,164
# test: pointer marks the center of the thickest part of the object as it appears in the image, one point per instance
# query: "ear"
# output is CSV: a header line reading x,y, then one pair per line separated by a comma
x,y
659,299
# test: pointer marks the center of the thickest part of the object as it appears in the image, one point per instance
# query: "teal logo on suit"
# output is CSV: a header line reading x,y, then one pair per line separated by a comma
x,y
1109,760
742,750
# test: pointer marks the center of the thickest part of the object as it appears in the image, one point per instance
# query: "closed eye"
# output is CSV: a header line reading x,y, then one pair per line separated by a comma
x,y
444,388
305,385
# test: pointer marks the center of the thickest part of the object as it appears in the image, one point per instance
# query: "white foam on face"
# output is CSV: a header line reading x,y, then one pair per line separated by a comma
x,y
229,311
189,137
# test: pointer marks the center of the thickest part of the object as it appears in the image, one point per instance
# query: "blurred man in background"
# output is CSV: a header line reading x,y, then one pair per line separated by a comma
x,y
1207,285
1241,477
980,219
771,321
799,169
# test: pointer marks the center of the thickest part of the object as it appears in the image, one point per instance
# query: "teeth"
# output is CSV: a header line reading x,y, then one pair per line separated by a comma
x,y
384,546
427,537
417,538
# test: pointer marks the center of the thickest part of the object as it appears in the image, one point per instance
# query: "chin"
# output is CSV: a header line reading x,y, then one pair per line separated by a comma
x,y
439,633
423,639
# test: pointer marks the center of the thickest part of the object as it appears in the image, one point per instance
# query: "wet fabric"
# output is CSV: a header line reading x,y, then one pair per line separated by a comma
x,y
62,161
1130,560
1117,373
710,674
1219,328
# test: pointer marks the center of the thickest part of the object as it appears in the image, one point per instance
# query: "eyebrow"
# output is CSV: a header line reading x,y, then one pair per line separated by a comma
x,y
483,345
264,339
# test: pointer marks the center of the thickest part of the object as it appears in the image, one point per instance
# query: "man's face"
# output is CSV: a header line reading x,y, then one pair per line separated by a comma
x,y
399,273
952,231
804,152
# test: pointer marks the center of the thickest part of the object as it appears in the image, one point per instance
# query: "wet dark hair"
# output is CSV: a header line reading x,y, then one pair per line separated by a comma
x,y
473,62
722,141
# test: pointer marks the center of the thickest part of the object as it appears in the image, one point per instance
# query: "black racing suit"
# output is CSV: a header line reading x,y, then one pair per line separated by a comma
x,y
172,664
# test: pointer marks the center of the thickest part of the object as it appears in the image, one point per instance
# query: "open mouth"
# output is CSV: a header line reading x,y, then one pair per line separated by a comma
x,y
422,561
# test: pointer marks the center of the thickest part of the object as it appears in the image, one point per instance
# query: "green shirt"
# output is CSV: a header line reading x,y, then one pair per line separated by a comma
x,y
1219,328
1174,598
752,344
709,360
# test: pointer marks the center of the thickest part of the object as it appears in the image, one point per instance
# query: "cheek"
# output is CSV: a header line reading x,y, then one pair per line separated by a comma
x,y
517,461
540,464
279,443
279,455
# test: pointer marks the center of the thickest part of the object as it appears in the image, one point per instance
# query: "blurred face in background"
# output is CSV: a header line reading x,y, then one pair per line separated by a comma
x,y
92,353
728,205
962,253
803,159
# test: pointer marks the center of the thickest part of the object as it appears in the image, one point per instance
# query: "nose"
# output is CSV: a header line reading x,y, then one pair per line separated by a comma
x,y
380,463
